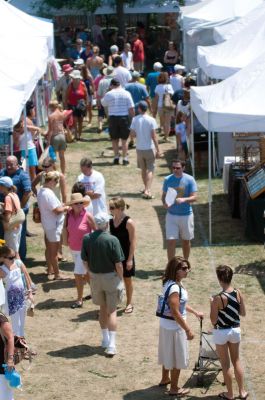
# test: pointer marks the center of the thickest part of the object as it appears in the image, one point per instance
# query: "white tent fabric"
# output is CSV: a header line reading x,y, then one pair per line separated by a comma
x,y
222,60
25,52
216,12
198,22
225,32
234,105
16,23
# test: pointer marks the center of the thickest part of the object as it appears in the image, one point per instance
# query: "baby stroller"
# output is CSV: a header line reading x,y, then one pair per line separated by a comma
x,y
208,359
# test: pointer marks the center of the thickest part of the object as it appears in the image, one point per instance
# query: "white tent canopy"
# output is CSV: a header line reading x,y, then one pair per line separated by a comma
x,y
234,105
216,12
26,25
222,60
225,32
25,52
198,22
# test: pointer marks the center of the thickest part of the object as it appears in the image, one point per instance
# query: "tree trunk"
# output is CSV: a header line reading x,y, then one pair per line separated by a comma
x,y
120,17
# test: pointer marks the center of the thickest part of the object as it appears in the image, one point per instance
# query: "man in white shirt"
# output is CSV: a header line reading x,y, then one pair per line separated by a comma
x,y
144,127
120,108
177,80
94,183
121,73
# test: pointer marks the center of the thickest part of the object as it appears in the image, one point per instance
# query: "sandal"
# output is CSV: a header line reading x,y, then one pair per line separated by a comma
x,y
224,396
61,278
180,392
128,309
77,304
50,276
147,196
161,384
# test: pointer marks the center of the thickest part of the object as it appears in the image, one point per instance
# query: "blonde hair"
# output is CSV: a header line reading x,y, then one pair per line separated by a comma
x,y
118,202
53,104
51,176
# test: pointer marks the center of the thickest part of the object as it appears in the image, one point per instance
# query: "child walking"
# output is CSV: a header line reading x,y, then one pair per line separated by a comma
x,y
11,271
181,135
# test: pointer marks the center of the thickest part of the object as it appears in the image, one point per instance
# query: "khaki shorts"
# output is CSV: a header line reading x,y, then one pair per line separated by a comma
x,y
179,227
146,159
107,289
58,142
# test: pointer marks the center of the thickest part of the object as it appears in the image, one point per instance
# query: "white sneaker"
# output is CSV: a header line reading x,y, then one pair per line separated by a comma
x,y
110,351
105,344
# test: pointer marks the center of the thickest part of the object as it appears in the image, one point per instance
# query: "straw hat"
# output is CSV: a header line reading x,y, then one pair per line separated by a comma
x,y
78,198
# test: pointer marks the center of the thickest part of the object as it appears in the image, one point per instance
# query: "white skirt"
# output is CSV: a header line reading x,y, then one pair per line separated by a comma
x,y
173,348
5,392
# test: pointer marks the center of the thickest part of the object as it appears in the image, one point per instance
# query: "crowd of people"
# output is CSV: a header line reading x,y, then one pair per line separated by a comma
x,y
100,234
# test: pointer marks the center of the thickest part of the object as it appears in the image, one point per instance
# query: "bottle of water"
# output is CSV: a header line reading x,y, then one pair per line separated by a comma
x,y
13,377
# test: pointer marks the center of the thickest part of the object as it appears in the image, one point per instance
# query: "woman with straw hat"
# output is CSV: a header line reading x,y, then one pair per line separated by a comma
x,y
79,222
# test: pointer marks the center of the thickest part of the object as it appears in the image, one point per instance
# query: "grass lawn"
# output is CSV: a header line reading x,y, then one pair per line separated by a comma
x,y
70,363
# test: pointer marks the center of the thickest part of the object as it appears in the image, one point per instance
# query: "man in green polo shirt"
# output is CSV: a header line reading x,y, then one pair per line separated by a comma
x,y
103,256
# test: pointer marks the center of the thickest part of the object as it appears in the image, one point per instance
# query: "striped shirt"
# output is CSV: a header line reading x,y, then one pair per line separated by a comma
x,y
228,317
118,101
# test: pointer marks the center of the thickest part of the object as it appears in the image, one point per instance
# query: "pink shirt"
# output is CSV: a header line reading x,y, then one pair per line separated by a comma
x,y
77,227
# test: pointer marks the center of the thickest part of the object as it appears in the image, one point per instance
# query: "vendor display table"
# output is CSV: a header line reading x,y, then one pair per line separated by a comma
x,y
250,211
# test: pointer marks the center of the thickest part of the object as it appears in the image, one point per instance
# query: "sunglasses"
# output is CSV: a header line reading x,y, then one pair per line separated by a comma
x,y
46,166
11,258
78,204
185,268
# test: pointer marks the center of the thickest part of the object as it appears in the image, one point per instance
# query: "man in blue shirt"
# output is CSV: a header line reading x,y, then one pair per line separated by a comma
x,y
22,182
151,80
138,91
179,217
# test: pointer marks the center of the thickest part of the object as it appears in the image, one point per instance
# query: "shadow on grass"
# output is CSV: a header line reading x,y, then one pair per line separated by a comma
x,y
144,274
255,268
51,304
79,351
57,285
126,194
32,262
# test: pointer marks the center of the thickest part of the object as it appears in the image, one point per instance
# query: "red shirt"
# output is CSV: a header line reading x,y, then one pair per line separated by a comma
x,y
76,94
138,51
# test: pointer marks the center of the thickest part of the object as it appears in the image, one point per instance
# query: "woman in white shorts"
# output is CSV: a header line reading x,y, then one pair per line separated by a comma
x,y
174,331
52,219
79,222
226,307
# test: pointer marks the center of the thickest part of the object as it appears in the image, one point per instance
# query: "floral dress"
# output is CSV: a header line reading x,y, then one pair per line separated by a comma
x,y
15,291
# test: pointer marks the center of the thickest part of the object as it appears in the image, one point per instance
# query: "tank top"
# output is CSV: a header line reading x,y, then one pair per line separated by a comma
x,y
228,317
121,232
77,227
76,94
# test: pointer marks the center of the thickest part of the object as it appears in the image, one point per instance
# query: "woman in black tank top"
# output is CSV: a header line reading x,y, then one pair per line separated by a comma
x,y
226,307
123,227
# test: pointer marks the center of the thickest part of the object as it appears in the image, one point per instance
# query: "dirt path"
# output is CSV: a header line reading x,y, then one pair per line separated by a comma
x,y
70,363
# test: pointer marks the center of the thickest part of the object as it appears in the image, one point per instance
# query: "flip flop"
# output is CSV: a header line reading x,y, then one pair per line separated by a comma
x,y
179,393
128,309
243,397
147,196
61,278
161,384
224,396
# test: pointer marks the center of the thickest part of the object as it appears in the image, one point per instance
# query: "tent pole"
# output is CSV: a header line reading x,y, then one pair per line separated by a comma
x,y
26,138
192,143
210,184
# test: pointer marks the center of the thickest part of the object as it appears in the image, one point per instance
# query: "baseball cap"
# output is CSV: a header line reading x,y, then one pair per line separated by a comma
x,y
136,74
157,65
6,181
102,218
179,67
114,82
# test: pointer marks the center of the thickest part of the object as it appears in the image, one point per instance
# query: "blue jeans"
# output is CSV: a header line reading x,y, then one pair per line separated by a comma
x,y
23,244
